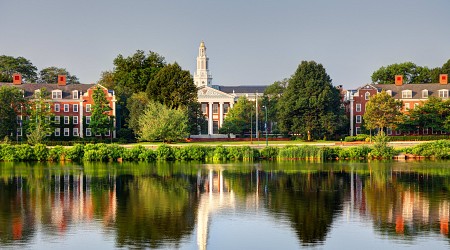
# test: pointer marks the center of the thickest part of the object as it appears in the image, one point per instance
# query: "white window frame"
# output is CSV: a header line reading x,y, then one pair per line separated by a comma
x,y
56,107
358,107
75,94
108,133
75,132
56,94
407,94
443,93
88,108
66,107
66,120
367,95
407,107
57,119
88,132
358,130
425,93
416,105
75,108
358,119
75,119
88,119
425,131
389,131
19,131
66,132
389,92
57,131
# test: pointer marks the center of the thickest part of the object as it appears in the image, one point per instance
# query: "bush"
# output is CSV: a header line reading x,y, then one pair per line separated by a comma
x,y
360,137
269,152
164,152
41,152
24,152
75,153
147,155
380,147
355,152
181,153
8,153
115,152
56,153
300,152
438,149
197,153
133,153
220,153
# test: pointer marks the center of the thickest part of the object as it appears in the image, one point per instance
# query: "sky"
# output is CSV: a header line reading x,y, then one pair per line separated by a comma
x,y
251,42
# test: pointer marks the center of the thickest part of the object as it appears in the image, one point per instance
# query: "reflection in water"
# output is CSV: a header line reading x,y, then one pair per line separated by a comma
x,y
173,205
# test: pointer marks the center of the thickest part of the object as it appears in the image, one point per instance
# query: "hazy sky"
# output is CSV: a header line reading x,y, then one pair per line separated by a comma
x,y
251,42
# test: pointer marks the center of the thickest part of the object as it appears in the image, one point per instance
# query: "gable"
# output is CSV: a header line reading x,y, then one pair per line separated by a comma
x,y
210,93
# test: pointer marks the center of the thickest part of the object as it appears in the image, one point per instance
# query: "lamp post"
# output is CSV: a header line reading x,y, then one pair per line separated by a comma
x,y
265,125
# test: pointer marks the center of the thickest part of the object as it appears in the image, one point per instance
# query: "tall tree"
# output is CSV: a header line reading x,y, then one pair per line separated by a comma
x,y
11,101
136,105
40,123
382,111
410,71
173,87
271,97
162,123
309,100
10,65
50,75
101,120
238,119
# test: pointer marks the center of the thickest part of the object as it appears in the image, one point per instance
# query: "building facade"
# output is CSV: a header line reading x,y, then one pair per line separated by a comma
x,y
412,96
71,105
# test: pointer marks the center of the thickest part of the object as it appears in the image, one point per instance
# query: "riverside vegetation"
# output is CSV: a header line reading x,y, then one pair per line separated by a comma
x,y
113,152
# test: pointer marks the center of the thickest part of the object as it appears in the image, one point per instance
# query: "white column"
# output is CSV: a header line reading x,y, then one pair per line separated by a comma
x,y
220,114
210,118
351,115
80,119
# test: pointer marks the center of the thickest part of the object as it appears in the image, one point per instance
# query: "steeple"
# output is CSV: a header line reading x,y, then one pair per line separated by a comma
x,y
202,76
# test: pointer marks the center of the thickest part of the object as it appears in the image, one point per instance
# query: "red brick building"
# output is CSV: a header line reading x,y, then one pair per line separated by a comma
x,y
71,105
412,95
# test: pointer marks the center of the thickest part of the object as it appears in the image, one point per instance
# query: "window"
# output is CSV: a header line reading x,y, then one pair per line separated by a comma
x,y
107,133
37,93
358,130
66,107
204,107
88,119
75,131
443,93
358,107
66,132
57,131
398,132
406,94
56,107
389,92
57,119
19,131
75,108
407,106
416,105
425,131
66,120
389,131
88,107
75,94
358,119
215,108
424,93
56,94
226,107
367,95
75,119
88,132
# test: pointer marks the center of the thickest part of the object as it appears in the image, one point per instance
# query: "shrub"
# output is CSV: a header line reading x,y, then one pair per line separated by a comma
x,y
355,152
90,155
360,137
75,153
234,153
380,147
220,154
56,153
8,153
133,153
24,152
269,152
164,152
41,152
197,153
147,155
114,151
181,153
300,152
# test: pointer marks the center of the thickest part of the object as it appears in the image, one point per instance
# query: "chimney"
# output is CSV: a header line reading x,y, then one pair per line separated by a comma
x,y
443,79
62,80
17,79
399,80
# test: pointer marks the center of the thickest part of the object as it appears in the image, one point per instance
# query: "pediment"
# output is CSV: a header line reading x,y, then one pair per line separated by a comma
x,y
211,93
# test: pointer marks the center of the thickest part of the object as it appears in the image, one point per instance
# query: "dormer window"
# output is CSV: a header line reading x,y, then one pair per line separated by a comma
x,y
389,92
367,95
406,94
37,93
75,94
424,93
443,93
56,94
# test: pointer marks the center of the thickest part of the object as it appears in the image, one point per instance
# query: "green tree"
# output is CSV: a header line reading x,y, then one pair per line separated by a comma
x,y
382,111
136,105
162,123
410,71
11,101
40,123
173,87
309,100
271,97
10,65
101,120
238,119
50,75
196,119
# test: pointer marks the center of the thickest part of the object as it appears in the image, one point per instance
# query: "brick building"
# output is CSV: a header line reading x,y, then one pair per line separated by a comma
x,y
71,105
412,95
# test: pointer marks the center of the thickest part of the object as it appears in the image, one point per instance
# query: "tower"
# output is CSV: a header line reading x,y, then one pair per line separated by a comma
x,y
202,76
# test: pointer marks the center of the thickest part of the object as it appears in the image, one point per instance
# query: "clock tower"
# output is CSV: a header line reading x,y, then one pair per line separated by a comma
x,y
202,76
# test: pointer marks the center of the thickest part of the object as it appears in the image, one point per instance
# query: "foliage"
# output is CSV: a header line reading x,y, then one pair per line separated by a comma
x,y
354,152
173,87
433,114
360,137
162,123
197,121
75,153
269,152
381,148
11,101
310,102
8,152
56,153
164,152
50,75
131,154
220,153
10,65
438,149
24,152
147,155
136,105
41,152
410,71
382,111
300,152
101,120
239,117
41,116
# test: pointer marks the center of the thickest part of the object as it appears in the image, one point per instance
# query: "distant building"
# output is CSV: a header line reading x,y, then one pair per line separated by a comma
x,y
412,96
71,105
216,100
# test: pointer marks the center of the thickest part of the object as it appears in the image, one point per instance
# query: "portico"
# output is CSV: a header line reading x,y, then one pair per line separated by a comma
x,y
215,105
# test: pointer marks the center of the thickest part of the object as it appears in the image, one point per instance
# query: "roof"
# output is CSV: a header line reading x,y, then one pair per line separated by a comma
x,y
433,89
29,88
241,89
